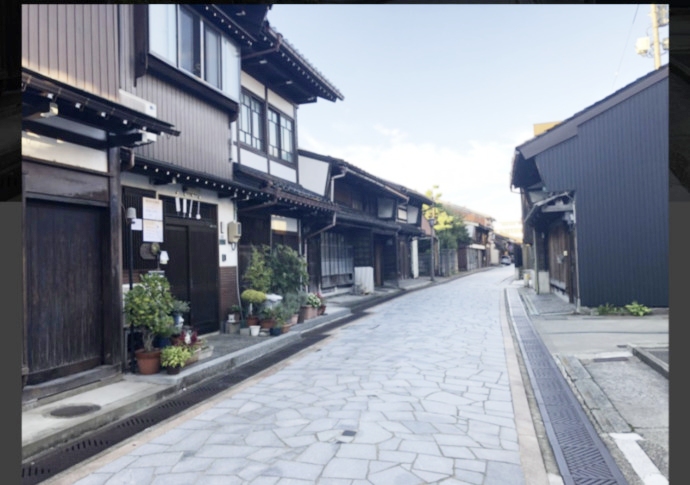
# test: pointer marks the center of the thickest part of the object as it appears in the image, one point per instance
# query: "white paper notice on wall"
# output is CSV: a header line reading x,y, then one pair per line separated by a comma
x,y
153,231
137,225
152,209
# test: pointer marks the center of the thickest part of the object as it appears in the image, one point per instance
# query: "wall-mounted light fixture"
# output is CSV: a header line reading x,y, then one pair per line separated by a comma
x,y
52,110
163,257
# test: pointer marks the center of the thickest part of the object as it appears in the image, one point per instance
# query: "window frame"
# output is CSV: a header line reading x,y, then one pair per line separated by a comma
x,y
268,148
228,76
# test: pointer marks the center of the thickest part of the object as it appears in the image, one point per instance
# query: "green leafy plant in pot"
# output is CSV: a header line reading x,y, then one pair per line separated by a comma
x,y
252,297
175,357
179,308
148,309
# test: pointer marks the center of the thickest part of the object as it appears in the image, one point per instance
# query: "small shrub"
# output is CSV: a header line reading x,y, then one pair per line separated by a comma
x,y
609,309
637,309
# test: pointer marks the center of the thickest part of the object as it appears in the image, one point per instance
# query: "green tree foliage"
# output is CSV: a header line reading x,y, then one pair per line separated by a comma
x,y
450,229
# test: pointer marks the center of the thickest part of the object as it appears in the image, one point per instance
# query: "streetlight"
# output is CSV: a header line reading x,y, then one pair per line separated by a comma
x,y
130,215
432,221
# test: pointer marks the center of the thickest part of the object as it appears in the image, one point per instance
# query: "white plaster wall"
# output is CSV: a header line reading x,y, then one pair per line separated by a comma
x,y
281,104
313,175
415,258
280,170
251,159
251,84
226,209
50,149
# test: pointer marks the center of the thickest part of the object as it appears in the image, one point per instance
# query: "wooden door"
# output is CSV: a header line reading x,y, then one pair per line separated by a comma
x,y
193,271
65,251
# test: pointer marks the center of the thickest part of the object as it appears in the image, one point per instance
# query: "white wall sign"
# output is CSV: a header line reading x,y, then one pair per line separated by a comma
x,y
137,225
153,231
152,209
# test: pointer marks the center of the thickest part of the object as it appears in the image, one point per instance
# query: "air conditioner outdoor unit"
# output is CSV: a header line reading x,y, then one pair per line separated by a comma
x,y
234,231
138,104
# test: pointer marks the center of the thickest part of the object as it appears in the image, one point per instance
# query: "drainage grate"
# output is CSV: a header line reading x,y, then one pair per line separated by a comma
x,y
60,458
582,457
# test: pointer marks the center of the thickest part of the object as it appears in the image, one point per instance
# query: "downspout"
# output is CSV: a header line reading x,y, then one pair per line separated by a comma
x,y
333,177
275,48
325,228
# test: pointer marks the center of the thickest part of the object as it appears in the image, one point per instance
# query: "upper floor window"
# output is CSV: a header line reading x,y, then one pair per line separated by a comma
x,y
255,119
251,122
280,131
186,40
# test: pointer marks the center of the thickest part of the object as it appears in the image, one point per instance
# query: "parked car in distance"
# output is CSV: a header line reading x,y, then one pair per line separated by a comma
x,y
505,260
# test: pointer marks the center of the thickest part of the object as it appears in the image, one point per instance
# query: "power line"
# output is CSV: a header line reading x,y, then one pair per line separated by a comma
x,y
625,47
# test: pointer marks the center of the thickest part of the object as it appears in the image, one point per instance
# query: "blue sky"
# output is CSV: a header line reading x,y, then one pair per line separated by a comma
x,y
442,94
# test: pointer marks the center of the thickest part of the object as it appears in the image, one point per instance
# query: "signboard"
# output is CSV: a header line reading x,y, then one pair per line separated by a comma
x,y
153,231
152,209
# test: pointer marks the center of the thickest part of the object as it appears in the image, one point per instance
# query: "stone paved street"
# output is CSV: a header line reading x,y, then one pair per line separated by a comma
x,y
415,392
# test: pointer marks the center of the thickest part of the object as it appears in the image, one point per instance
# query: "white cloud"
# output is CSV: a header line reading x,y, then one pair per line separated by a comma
x,y
477,178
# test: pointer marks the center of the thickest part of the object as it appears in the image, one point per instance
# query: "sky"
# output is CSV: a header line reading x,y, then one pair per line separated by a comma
x,y
441,95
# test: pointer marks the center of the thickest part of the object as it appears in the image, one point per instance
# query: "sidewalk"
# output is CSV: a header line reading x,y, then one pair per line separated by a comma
x,y
42,431
618,368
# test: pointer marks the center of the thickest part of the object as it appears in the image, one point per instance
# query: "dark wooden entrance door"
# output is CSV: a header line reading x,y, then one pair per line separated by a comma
x,y
65,250
193,270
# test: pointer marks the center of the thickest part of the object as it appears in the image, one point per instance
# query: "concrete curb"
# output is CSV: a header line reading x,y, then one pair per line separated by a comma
x,y
648,358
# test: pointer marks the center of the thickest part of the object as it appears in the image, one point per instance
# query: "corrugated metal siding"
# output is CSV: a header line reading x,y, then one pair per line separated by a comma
x,y
204,142
75,44
618,167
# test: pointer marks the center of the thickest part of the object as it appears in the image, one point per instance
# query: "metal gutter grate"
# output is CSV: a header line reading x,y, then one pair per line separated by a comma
x,y
46,465
582,457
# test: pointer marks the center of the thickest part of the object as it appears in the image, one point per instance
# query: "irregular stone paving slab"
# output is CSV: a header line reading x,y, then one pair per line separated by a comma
x,y
416,392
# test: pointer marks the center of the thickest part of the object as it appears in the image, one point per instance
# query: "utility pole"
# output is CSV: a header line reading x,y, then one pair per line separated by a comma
x,y
659,14
655,31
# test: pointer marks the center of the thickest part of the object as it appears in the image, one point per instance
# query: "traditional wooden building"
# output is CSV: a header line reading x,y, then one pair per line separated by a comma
x,y
155,113
74,129
595,199
374,231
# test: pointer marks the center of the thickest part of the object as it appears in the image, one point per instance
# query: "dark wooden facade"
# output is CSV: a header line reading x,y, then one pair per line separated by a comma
x,y
71,193
611,162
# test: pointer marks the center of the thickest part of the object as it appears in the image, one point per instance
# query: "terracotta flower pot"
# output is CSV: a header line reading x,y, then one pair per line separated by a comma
x,y
306,313
267,323
148,362
252,320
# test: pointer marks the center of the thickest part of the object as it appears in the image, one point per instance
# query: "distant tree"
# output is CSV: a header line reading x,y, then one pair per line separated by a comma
x,y
450,229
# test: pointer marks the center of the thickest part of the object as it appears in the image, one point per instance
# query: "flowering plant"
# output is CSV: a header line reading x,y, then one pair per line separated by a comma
x,y
322,298
313,300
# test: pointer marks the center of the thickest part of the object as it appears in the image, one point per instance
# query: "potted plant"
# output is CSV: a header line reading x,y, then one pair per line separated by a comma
x,y
148,308
291,304
252,297
236,314
174,357
309,308
268,316
258,274
288,269
179,308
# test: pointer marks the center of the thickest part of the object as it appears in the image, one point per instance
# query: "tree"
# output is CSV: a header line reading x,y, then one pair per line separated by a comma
x,y
450,229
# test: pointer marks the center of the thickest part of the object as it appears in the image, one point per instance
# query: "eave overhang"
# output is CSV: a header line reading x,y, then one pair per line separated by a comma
x,y
38,91
288,196
274,62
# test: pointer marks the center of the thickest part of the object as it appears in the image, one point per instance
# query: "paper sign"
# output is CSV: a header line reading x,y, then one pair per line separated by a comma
x,y
137,225
152,209
153,231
